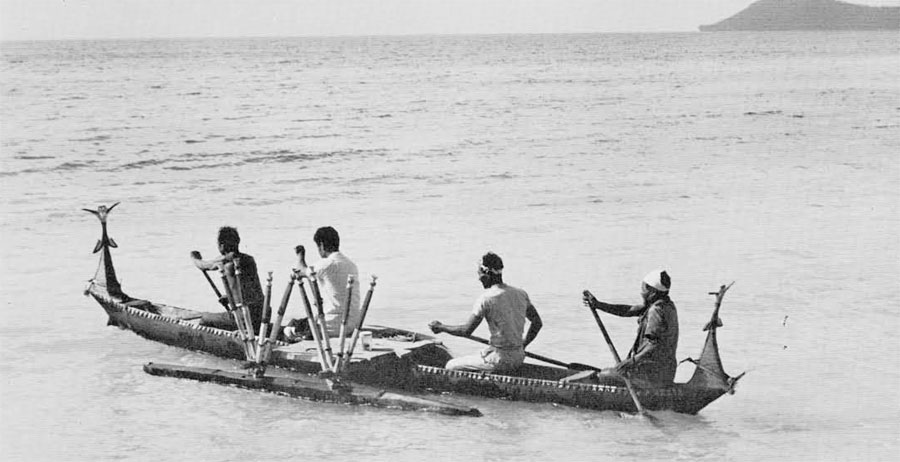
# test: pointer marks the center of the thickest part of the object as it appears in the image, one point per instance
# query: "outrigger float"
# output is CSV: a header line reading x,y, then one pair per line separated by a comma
x,y
400,360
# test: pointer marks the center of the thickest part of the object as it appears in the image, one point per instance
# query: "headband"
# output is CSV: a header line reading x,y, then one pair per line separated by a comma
x,y
486,270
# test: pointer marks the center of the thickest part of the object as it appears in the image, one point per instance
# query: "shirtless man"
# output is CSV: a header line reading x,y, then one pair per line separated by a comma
x,y
229,251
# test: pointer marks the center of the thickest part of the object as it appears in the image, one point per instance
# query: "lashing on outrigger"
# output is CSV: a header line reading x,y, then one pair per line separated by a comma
x,y
399,360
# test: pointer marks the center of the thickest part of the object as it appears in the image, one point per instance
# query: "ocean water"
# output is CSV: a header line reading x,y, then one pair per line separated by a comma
x,y
583,160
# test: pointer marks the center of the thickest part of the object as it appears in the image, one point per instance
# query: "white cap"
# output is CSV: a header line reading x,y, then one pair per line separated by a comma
x,y
659,280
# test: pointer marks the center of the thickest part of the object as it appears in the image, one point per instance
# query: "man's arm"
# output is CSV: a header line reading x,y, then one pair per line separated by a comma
x,y
628,363
656,324
301,258
206,265
619,310
214,265
536,324
461,330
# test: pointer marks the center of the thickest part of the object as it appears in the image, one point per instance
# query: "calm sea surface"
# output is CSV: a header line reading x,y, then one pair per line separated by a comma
x,y
583,160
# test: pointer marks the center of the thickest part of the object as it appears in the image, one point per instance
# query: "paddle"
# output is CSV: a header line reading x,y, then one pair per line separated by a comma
x,y
276,327
196,255
362,317
344,318
235,314
244,310
573,366
324,361
612,349
320,313
266,318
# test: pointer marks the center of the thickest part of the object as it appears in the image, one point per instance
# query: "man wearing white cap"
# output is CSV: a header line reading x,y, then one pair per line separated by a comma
x,y
652,358
506,308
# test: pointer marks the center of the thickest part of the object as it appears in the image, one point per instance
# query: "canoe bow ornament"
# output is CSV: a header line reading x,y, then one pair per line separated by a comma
x,y
106,273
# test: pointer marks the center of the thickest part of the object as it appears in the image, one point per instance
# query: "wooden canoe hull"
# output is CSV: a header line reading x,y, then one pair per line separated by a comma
x,y
392,366
311,388
679,397
419,369
408,360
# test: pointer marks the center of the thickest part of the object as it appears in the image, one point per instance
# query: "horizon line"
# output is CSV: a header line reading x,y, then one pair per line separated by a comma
x,y
459,34
424,34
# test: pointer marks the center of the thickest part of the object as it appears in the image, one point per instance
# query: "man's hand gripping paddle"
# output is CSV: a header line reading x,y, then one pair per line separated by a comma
x,y
612,349
222,300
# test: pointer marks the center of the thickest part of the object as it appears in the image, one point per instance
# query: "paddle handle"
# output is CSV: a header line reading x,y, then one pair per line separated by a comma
x,y
276,326
212,284
239,298
345,315
265,319
527,353
612,349
235,314
320,310
359,325
324,361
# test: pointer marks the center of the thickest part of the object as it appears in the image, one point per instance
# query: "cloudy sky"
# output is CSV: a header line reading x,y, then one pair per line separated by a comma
x,y
77,19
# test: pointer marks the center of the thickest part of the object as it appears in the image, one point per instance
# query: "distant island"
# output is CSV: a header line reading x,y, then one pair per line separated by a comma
x,y
774,15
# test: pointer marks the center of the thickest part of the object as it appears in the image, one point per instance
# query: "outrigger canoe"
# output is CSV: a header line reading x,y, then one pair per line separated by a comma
x,y
412,361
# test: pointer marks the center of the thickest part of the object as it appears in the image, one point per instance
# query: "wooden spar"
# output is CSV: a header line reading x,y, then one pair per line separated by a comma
x,y
234,314
324,361
573,366
311,387
320,311
244,310
344,318
362,317
266,319
276,326
612,349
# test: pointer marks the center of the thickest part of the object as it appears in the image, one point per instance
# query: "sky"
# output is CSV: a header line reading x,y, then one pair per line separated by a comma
x,y
110,19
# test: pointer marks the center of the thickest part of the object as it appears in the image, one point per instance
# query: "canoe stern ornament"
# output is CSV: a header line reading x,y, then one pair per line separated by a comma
x,y
105,276
709,372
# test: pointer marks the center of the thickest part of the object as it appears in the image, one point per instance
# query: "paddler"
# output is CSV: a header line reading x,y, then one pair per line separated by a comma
x,y
331,273
505,308
251,290
652,357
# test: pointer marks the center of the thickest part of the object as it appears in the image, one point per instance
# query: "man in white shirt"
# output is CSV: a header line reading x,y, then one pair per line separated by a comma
x,y
331,274
505,308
